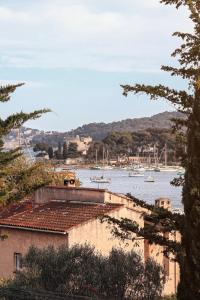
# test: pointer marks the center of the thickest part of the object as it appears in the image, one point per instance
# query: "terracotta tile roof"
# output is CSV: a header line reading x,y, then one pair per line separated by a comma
x,y
57,216
15,208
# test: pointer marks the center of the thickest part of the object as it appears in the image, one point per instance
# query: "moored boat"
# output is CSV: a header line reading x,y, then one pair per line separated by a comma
x,y
100,179
95,167
136,174
149,179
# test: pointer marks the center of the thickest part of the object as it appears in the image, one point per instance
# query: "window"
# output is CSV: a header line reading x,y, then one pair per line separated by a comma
x,y
17,261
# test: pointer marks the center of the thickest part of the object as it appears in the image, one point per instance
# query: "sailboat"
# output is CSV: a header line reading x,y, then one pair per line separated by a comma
x,y
105,158
96,167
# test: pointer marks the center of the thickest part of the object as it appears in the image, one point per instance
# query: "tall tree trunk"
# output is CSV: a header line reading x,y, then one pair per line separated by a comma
x,y
189,288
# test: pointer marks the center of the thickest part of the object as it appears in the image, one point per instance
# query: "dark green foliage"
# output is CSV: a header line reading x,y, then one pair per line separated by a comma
x,y
72,151
58,153
41,147
82,271
98,131
65,150
144,143
6,158
188,102
50,152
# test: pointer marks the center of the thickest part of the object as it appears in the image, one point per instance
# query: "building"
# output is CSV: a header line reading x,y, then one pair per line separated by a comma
x,y
83,143
69,215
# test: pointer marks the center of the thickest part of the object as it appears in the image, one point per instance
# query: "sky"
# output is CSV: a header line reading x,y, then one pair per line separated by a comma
x,y
73,55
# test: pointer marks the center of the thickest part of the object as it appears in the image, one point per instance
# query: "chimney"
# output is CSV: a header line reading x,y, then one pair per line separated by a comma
x,y
69,182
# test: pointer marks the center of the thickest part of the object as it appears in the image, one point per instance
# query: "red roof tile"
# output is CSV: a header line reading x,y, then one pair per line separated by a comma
x,y
57,216
15,208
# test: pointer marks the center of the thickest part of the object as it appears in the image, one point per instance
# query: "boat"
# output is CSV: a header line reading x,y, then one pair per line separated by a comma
x,y
107,167
149,179
100,179
136,174
149,169
95,167
139,169
181,172
168,169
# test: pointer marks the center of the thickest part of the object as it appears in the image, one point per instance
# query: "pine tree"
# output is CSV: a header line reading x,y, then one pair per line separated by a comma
x,y
65,150
13,121
58,152
50,152
188,102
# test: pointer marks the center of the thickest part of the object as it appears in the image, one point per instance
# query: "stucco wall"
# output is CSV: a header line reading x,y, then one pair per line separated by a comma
x,y
99,234
173,274
44,195
19,241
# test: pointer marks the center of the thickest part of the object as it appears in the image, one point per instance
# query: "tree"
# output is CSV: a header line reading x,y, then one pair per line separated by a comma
x,y
58,152
22,178
73,150
80,270
65,150
50,152
41,147
188,102
13,121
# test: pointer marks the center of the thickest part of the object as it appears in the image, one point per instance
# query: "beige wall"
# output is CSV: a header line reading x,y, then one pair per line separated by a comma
x,y
172,267
19,241
44,195
99,234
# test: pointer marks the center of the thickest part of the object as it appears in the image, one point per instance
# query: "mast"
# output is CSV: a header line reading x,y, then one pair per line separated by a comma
x,y
96,157
165,154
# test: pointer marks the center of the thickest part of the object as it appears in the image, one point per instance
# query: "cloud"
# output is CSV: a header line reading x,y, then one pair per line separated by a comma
x,y
126,36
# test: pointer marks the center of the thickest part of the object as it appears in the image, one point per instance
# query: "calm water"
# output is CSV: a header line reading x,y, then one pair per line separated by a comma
x,y
122,183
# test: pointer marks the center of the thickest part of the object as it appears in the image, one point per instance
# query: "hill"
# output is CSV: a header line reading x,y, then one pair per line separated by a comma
x,y
99,131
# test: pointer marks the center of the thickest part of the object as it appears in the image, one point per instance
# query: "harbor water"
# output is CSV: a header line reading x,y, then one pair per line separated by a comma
x,y
122,183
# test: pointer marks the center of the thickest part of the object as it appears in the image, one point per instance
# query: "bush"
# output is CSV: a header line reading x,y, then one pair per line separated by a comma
x,y
82,271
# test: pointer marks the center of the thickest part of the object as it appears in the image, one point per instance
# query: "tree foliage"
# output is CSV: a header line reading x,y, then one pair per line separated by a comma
x,y
82,271
13,121
188,102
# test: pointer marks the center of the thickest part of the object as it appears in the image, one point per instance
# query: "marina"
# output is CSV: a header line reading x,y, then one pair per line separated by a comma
x,y
121,182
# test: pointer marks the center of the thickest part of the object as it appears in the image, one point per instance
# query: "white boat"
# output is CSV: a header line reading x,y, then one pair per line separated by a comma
x,y
100,179
135,174
139,169
107,168
168,169
181,172
150,179
95,167
149,169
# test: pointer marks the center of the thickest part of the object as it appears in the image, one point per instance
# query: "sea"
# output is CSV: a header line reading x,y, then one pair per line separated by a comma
x,y
122,183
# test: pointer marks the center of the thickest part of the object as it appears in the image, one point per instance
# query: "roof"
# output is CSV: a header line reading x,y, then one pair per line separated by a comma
x,y
56,216
14,208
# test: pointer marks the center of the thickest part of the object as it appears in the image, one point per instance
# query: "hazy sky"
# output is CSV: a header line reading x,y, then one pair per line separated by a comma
x,y
74,54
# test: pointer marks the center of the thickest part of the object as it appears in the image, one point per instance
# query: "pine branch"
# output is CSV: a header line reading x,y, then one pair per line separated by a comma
x,y
5,91
178,98
160,216
17,120
125,228
185,73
